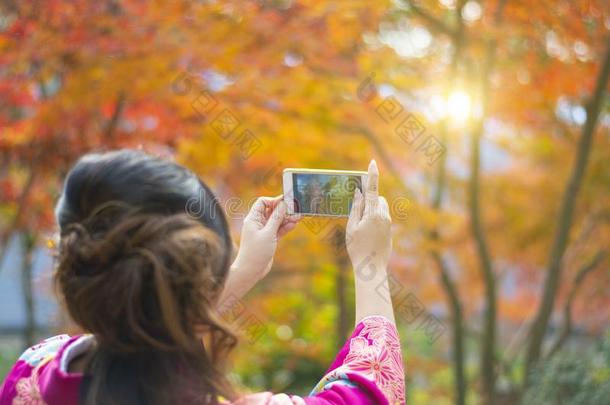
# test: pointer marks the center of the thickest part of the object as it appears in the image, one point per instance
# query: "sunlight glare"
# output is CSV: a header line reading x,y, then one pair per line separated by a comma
x,y
459,106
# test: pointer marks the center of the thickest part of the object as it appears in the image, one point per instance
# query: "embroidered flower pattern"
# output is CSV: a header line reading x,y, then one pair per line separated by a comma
x,y
375,354
378,332
28,391
377,364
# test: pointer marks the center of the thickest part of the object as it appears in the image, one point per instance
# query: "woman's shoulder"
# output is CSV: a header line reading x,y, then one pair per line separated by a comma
x,y
47,348
43,362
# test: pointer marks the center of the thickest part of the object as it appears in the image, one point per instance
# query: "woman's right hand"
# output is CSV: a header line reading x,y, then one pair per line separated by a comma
x,y
368,233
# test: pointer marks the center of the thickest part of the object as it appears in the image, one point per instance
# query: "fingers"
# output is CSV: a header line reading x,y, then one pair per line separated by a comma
x,y
271,203
262,203
293,217
263,207
372,184
357,207
288,224
285,228
274,201
372,188
257,212
269,213
277,217
383,208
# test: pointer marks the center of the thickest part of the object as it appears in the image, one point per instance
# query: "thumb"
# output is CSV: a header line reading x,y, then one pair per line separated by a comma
x,y
276,218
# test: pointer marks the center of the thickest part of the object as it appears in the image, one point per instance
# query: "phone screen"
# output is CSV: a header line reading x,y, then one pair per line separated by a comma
x,y
324,194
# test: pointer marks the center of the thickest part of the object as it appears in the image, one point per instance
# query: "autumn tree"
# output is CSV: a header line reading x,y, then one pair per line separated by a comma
x,y
489,119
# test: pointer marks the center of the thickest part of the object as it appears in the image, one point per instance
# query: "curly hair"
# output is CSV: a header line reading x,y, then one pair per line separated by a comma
x,y
143,274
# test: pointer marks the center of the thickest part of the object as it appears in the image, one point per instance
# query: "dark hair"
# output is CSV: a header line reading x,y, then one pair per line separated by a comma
x,y
143,276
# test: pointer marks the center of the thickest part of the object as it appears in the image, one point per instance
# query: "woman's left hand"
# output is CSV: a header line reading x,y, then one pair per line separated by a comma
x,y
263,226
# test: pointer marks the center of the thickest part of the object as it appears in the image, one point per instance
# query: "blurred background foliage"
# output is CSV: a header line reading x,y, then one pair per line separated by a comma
x,y
573,378
489,120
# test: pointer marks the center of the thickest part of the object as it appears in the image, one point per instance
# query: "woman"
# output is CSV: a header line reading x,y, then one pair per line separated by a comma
x,y
144,267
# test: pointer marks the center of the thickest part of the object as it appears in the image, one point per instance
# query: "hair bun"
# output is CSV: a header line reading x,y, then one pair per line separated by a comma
x,y
127,278
143,276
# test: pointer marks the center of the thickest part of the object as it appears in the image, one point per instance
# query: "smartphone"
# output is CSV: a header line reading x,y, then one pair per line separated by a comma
x,y
314,192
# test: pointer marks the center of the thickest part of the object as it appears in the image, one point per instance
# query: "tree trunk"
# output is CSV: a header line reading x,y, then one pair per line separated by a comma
x,y
342,263
566,330
453,300
488,348
21,204
457,329
28,245
487,367
564,220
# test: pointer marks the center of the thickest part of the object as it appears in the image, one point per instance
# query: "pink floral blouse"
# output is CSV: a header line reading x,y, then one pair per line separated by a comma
x,y
367,370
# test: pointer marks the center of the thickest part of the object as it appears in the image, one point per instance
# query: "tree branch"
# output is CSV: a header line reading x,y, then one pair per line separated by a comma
x,y
381,151
566,214
24,196
21,207
567,309
116,116
432,22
